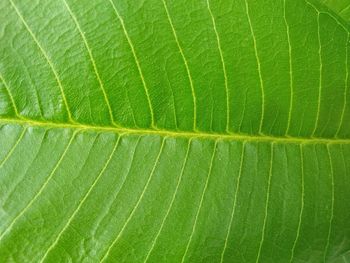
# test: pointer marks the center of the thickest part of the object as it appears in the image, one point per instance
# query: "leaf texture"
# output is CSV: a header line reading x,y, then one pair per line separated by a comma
x,y
174,131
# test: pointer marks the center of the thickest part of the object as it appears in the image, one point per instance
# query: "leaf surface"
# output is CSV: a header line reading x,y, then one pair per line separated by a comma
x,y
174,131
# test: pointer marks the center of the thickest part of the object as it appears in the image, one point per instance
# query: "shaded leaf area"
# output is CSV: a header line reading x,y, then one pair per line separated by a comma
x,y
174,131
340,7
144,198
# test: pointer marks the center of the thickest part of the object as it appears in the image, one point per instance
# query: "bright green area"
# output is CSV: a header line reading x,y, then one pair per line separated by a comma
x,y
174,131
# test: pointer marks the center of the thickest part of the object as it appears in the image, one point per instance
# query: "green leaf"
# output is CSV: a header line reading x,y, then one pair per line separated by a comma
x,y
341,7
174,131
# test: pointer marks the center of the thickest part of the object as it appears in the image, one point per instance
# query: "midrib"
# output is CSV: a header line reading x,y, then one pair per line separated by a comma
x,y
168,133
